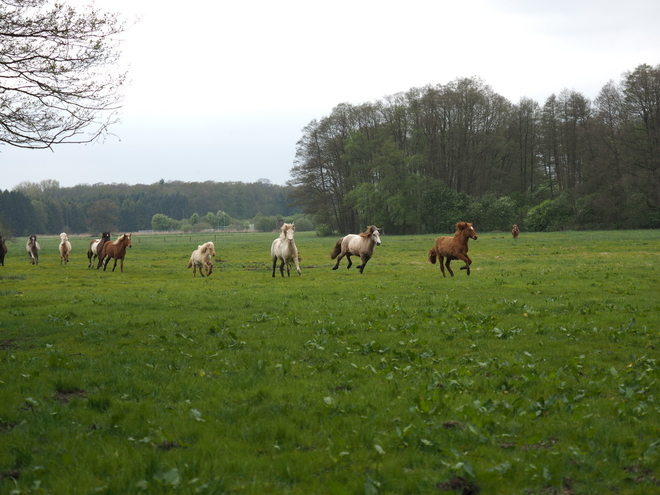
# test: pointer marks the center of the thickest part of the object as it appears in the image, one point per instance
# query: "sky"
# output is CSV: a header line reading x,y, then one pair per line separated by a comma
x,y
220,91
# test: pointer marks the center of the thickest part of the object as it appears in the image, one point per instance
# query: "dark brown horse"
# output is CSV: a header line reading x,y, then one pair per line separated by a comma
x,y
116,250
3,251
515,231
95,248
454,248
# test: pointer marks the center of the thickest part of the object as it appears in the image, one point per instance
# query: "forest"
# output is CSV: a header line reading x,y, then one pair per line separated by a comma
x,y
411,163
420,161
47,208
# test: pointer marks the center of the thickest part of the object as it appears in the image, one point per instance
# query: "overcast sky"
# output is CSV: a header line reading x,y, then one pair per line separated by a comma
x,y
220,91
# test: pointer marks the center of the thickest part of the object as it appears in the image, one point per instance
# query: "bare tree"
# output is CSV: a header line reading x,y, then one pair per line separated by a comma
x,y
58,77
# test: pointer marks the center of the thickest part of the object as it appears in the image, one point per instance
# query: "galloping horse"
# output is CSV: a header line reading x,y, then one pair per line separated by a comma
x,y
515,231
361,245
33,248
284,249
65,248
116,250
3,251
454,248
95,247
201,258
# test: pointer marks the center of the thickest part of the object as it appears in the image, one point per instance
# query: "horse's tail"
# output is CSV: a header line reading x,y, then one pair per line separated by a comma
x,y
336,250
190,263
433,256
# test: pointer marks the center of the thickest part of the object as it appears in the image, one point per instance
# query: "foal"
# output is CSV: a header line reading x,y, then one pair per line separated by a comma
x,y
454,248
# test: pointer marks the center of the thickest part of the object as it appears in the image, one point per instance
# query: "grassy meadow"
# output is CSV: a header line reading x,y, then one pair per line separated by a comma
x,y
537,374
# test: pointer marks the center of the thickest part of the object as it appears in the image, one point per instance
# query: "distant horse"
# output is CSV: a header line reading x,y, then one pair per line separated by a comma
x,y
202,258
284,249
3,251
116,250
515,231
33,249
65,248
361,245
454,248
95,247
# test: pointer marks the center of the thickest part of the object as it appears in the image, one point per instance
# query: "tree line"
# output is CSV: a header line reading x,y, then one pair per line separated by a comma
x,y
47,208
422,160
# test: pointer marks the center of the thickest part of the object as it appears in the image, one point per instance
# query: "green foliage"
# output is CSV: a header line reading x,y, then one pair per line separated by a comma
x,y
535,374
161,222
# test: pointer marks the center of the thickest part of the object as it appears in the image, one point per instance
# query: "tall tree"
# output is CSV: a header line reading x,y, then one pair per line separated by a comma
x,y
57,73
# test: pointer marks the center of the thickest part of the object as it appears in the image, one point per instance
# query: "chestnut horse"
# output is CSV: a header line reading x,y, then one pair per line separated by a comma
x,y
515,231
361,245
454,248
284,248
65,248
3,251
116,250
202,258
95,247
33,249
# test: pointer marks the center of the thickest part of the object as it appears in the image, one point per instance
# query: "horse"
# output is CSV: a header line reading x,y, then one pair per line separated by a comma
x,y
3,251
65,248
95,247
116,250
454,248
33,249
202,258
284,248
515,231
361,245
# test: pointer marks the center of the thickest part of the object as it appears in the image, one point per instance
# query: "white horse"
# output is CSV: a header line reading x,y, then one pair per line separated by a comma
x,y
361,245
202,258
65,248
284,249
33,249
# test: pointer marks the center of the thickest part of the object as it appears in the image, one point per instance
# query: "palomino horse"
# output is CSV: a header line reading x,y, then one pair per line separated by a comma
x,y
65,248
95,247
454,248
202,258
515,231
33,249
3,251
361,245
284,249
116,250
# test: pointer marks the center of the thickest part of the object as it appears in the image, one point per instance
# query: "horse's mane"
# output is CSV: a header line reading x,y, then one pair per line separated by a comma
x,y
369,231
120,238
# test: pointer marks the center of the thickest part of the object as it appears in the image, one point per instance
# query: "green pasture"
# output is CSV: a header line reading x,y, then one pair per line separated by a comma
x,y
536,374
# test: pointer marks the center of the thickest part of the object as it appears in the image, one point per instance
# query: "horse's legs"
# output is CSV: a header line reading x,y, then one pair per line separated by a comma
x,y
441,260
341,255
282,267
364,258
449,267
350,263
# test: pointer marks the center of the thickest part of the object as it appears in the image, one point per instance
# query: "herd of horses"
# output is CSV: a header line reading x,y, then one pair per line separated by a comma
x,y
283,250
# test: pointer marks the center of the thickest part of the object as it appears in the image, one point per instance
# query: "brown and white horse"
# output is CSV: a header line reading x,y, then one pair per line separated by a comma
x,y
33,249
454,248
202,258
116,250
3,251
95,247
515,231
284,249
65,248
361,245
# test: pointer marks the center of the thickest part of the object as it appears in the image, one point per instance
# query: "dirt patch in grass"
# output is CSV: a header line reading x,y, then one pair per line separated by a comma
x,y
66,395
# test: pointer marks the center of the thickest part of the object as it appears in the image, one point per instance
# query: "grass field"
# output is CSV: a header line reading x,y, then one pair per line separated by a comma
x,y
537,374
